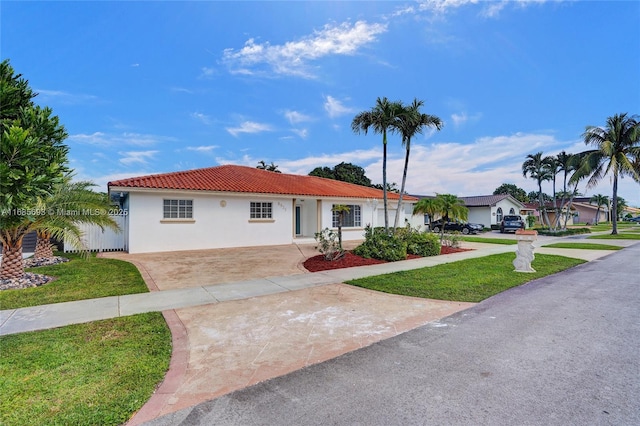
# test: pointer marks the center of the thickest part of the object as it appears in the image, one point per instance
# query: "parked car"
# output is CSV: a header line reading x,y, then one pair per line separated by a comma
x,y
634,219
511,223
453,226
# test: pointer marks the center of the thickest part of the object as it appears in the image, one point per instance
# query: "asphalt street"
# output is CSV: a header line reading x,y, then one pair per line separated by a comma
x,y
561,350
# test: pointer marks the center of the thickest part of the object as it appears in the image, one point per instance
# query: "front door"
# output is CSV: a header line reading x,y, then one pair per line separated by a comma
x,y
298,220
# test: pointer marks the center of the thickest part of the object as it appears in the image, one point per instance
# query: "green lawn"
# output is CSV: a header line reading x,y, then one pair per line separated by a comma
x,y
471,280
619,236
489,240
78,279
98,373
584,246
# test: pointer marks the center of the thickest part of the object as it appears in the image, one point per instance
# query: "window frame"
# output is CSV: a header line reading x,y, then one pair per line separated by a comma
x,y
260,210
177,209
355,214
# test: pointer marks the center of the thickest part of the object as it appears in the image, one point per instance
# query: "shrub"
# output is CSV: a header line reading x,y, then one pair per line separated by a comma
x,y
420,243
452,240
328,244
380,245
569,231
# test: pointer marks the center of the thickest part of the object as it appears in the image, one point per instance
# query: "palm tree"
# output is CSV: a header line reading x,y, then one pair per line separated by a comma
x,y
451,207
429,206
72,203
411,122
600,200
535,166
341,210
383,118
617,147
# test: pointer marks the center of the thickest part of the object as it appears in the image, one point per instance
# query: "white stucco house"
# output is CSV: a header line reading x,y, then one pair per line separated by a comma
x,y
239,206
489,209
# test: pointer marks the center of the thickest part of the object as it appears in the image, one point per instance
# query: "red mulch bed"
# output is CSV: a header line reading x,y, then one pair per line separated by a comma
x,y
318,263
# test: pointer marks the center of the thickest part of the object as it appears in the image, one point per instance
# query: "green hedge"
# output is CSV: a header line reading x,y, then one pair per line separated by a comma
x,y
394,246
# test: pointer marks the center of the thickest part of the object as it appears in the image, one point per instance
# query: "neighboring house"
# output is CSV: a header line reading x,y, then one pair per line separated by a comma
x,y
238,206
490,209
486,209
586,211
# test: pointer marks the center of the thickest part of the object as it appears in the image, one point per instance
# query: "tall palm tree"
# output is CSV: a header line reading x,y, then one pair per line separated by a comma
x,y
535,166
382,118
600,200
616,150
410,123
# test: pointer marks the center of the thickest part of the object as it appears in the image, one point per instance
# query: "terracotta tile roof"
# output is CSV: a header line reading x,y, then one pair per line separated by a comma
x,y
243,179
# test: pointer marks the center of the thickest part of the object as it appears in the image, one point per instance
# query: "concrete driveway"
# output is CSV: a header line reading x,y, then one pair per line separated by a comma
x,y
224,347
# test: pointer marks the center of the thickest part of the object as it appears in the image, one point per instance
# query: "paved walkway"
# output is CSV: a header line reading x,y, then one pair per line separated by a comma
x,y
266,327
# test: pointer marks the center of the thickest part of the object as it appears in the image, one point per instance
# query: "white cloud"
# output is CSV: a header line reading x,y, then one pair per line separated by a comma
x,y
303,133
64,97
203,149
206,73
126,138
205,119
296,117
335,108
249,127
293,58
136,157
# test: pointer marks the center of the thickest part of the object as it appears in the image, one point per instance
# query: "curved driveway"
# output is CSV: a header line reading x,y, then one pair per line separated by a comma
x,y
561,350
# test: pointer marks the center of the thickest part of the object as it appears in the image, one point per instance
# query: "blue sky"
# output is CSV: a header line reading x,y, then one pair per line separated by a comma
x,y
150,87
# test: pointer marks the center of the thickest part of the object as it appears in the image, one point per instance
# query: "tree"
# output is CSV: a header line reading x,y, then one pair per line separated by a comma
x,y
616,151
268,167
600,200
344,172
513,190
340,209
33,162
621,206
451,207
410,123
429,206
536,167
70,204
382,118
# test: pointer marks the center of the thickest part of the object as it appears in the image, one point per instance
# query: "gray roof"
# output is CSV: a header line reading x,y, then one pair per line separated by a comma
x,y
487,200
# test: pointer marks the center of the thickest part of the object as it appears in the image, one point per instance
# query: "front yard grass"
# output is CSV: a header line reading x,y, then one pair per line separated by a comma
x,y
98,373
619,236
76,280
584,246
505,241
470,280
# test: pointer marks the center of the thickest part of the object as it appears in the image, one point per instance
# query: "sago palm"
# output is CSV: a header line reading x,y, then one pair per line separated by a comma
x,y
410,123
616,150
382,118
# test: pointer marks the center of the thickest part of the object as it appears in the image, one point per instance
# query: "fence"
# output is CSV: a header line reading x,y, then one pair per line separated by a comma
x,y
96,239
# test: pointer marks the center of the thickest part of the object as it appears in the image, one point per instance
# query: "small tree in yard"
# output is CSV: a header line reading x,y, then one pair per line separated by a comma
x,y
340,209
33,161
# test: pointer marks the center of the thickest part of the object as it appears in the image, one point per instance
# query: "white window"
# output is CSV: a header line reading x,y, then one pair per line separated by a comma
x,y
177,209
350,219
261,210
512,211
499,215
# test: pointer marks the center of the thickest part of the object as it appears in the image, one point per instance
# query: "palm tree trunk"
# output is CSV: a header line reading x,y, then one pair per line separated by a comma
x,y
543,210
614,208
44,248
384,181
12,263
404,181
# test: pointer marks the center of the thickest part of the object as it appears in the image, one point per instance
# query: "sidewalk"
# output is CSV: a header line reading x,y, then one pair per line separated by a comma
x,y
298,320
60,314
